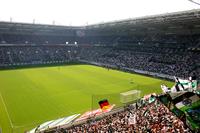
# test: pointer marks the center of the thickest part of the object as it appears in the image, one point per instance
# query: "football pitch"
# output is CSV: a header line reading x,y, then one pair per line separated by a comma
x,y
31,96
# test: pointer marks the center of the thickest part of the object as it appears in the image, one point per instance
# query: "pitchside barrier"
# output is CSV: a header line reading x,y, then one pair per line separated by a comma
x,y
164,76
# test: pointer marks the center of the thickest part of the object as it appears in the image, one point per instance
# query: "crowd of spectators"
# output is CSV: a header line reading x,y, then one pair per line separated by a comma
x,y
175,60
164,61
22,55
151,118
170,61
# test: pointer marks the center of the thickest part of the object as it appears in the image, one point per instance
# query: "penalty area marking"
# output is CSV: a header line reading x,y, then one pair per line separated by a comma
x,y
6,110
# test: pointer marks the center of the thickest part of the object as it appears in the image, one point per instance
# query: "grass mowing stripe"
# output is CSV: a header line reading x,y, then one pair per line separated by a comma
x,y
4,121
10,121
34,96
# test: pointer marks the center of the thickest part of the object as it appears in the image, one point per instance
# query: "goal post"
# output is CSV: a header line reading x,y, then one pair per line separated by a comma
x,y
129,96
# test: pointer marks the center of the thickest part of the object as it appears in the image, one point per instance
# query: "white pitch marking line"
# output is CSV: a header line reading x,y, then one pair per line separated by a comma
x,y
6,111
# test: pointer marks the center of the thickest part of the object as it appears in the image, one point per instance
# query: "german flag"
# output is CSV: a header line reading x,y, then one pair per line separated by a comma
x,y
104,104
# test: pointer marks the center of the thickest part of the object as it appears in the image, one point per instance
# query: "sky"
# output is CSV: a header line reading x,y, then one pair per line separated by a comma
x,y
85,12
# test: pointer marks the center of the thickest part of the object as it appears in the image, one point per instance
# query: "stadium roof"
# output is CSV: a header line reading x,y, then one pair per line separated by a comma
x,y
40,29
184,22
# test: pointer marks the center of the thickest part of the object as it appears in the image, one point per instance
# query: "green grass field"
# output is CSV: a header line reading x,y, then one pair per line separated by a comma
x,y
29,97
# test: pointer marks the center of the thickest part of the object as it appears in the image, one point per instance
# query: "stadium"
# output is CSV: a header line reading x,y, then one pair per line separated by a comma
x,y
108,77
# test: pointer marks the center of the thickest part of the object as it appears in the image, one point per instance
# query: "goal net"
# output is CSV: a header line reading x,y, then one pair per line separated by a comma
x,y
129,96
